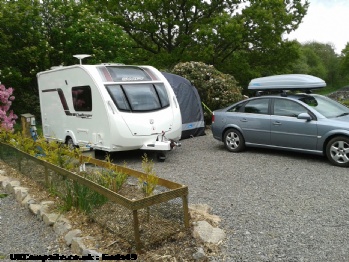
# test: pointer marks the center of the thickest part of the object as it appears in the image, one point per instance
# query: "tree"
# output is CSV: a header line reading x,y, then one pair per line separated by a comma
x,y
320,60
35,35
22,50
75,27
180,30
344,65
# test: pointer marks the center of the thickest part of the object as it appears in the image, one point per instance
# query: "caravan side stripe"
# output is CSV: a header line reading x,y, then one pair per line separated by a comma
x,y
63,100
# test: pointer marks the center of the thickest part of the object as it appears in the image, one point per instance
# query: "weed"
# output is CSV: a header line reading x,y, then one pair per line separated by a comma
x,y
149,181
111,178
3,195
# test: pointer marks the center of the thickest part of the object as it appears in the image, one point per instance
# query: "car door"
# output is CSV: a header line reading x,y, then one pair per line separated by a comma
x,y
254,120
289,131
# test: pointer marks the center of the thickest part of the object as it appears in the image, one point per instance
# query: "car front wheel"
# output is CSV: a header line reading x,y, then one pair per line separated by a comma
x,y
234,141
337,151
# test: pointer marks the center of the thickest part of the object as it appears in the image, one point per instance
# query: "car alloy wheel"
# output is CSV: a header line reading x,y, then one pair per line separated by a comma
x,y
337,151
233,140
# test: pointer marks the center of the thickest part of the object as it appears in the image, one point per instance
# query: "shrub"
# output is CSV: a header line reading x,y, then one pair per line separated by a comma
x,y
7,117
216,90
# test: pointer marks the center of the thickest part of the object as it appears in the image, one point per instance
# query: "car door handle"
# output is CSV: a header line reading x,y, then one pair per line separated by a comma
x,y
243,120
277,123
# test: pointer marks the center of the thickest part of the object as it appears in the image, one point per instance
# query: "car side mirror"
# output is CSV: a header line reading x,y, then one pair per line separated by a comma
x,y
304,116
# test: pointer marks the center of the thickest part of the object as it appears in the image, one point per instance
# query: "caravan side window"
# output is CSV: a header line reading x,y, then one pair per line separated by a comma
x,y
82,98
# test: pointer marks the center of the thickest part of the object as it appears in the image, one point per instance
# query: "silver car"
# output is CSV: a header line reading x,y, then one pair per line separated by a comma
x,y
306,123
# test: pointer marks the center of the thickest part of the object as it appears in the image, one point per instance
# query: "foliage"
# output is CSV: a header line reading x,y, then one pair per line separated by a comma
x,y
57,153
319,60
110,178
245,39
149,181
7,117
216,89
212,30
344,65
36,35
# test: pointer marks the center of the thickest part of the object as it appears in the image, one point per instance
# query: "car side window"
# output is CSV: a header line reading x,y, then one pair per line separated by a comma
x,y
284,107
256,106
236,108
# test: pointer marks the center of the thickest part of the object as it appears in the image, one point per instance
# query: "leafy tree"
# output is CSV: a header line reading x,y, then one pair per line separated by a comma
x,y
22,50
75,27
172,31
320,60
344,65
35,35
246,65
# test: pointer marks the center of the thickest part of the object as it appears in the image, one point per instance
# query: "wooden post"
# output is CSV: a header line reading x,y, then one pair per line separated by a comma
x,y
185,210
136,230
46,177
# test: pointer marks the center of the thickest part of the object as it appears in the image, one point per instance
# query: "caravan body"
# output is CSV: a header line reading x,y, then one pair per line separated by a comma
x,y
109,107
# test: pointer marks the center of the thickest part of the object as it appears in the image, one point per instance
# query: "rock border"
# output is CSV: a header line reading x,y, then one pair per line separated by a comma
x,y
205,230
60,225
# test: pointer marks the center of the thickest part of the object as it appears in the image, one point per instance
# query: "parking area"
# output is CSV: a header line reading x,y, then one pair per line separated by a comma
x,y
274,205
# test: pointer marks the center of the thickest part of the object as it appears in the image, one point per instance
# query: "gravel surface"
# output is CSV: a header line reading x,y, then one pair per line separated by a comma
x,y
274,206
22,233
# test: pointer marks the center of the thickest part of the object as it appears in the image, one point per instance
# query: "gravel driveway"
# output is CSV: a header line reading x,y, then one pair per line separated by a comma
x,y
274,206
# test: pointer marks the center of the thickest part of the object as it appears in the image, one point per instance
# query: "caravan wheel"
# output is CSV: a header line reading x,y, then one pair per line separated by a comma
x,y
161,156
69,142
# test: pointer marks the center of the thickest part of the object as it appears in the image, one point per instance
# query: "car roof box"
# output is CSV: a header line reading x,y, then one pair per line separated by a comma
x,y
286,82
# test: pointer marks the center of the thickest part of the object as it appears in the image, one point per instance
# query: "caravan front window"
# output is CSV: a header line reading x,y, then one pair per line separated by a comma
x,y
139,97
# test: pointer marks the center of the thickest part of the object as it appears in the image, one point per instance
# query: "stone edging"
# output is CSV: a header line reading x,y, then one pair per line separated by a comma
x,y
203,231
60,225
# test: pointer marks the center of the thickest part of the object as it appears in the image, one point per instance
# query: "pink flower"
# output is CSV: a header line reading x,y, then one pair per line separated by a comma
x,y
7,117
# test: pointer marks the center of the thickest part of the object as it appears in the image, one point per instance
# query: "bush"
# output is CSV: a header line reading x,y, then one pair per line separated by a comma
x,y
7,117
216,90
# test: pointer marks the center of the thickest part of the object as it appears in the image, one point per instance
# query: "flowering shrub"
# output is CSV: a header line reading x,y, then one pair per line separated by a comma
x,y
216,89
7,117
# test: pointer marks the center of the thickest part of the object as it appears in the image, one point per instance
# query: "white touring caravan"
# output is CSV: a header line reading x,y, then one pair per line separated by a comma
x,y
109,107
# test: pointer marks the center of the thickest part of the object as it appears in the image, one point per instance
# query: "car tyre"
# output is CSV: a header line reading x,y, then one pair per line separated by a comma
x,y
233,140
337,151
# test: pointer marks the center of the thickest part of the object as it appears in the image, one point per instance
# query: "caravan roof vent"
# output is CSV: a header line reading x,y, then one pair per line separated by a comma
x,y
56,67
80,57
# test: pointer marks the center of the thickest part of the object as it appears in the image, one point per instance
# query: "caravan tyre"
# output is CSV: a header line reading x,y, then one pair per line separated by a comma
x,y
69,142
161,156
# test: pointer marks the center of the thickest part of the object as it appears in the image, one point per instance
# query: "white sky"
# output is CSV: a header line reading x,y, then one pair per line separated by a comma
x,y
327,21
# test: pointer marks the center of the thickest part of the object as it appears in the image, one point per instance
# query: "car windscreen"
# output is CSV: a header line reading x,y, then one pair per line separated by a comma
x,y
139,97
325,106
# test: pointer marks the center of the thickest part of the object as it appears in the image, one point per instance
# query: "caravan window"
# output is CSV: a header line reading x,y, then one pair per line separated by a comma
x,y
139,97
125,74
82,98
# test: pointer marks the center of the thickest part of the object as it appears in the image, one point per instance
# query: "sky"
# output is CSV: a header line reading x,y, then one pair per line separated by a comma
x,y
327,21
